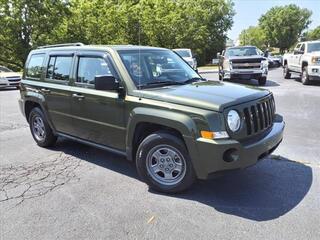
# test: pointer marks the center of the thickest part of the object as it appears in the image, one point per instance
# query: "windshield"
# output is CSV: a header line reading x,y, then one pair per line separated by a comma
x,y
313,47
4,69
242,51
183,53
151,67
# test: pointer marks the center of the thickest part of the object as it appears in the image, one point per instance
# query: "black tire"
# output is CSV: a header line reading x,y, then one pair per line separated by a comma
x,y
305,76
262,81
155,142
48,139
286,72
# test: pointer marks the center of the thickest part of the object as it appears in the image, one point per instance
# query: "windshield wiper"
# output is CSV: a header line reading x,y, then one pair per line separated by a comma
x,y
160,82
195,79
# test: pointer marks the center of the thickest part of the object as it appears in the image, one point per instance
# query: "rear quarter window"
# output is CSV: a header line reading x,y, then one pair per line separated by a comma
x,y
34,68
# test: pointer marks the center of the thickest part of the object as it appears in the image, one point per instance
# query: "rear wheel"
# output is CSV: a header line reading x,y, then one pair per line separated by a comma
x,y
305,76
164,164
40,129
286,72
262,81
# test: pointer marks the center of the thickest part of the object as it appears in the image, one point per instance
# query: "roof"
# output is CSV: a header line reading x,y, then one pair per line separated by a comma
x,y
70,47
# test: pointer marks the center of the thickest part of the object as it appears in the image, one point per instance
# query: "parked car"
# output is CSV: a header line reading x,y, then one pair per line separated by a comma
x,y
147,104
243,62
9,78
276,60
304,60
188,56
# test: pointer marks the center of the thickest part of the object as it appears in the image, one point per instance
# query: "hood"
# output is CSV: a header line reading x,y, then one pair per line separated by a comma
x,y
188,59
10,74
315,53
210,95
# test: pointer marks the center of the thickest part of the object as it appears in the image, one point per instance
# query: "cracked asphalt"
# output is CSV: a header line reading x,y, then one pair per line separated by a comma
x,y
73,191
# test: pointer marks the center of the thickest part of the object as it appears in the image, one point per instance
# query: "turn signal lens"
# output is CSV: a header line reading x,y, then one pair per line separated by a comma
x,y
207,134
214,135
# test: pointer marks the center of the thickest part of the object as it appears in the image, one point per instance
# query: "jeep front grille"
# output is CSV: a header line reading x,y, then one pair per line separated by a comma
x,y
259,116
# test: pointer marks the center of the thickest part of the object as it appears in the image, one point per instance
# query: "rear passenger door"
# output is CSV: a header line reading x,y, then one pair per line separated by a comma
x,y
98,116
56,90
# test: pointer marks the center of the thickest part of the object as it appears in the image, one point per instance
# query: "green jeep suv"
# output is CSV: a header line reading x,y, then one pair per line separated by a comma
x,y
149,105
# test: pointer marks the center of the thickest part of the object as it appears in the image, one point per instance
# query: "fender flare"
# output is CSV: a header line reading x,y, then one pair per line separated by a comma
x,y
178,121
38,98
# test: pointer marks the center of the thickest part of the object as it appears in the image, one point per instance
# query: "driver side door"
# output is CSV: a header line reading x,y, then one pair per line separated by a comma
x,y
98,115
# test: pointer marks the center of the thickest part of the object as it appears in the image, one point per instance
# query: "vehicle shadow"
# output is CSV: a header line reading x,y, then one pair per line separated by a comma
x,y
8,89
261,193
253,82
311,83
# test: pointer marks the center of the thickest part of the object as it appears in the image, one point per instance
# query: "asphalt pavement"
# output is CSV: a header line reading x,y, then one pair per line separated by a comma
x,y
73,191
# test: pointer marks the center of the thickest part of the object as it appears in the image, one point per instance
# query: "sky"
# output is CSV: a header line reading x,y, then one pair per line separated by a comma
x,y
248,12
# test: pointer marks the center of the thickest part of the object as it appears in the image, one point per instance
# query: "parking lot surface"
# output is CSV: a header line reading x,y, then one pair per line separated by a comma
x,y
73,191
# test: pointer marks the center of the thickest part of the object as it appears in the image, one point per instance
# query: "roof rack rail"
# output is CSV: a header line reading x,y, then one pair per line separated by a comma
x,y
61,45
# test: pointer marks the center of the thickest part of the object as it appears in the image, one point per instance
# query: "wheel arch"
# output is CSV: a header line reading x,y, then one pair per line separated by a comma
x,y
144,121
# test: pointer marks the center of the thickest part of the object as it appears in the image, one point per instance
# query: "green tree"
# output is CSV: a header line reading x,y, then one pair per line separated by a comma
x,y
313,34
199,25
253,36
283,25
26,24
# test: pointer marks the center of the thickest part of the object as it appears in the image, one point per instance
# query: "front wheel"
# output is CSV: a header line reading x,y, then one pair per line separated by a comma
x,y
305,76
262,81
40,129
164,164
286,72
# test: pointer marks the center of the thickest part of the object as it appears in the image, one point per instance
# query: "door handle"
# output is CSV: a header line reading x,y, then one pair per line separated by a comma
x,y
44,90
77,95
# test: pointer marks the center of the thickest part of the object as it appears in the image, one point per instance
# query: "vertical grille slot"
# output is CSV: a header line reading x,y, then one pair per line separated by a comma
x,y
269,112
265,113
255,118
261,117
248,121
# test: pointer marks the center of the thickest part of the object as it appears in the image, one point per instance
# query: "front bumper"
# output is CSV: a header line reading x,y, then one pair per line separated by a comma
x,y
245,73
314,73
211,154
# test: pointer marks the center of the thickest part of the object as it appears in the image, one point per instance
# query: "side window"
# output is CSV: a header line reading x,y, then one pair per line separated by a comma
x,y
298,46
59,67
90,67
34,67
302,47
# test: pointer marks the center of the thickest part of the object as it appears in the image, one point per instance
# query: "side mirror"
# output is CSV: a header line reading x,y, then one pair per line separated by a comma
x,y
218,55
106,82
296,51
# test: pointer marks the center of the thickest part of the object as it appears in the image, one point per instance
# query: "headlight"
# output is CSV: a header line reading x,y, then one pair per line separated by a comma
x,y
265,63
315,59
233,120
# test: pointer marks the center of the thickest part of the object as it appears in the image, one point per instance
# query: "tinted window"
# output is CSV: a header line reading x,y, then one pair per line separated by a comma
x,y
34,68
90,67
302,47
149,67
59,67
242,51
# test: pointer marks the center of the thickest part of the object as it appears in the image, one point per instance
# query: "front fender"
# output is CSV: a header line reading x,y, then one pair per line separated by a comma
x,y
178,121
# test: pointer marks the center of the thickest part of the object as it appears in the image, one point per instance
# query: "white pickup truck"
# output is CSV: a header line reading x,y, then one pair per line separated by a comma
x,y
304,60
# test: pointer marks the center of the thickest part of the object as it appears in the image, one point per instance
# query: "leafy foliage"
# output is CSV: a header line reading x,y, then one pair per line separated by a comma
x,y
25,25
200,25
253,36
283,25
313,34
